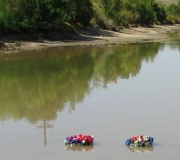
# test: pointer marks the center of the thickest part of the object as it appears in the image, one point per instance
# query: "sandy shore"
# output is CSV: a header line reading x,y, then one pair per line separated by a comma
x,y
92,36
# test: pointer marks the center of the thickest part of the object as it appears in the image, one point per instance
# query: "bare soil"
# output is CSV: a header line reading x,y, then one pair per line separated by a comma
x,y
90,36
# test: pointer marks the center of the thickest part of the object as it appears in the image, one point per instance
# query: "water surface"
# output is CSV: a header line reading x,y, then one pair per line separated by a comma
x,y
112,92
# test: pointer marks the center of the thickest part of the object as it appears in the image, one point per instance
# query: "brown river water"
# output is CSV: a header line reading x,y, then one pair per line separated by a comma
x,y
111,92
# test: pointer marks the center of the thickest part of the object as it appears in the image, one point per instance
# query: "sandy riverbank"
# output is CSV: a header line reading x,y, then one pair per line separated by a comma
x,y
92,36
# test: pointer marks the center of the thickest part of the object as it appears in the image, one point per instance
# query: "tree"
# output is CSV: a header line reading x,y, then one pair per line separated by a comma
x,y
146,12
160,12
83,11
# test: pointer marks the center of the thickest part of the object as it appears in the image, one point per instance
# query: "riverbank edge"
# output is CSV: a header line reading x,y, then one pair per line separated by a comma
x,y
92,35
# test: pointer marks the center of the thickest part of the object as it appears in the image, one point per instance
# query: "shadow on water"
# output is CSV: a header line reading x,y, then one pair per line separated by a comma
x,y
37,84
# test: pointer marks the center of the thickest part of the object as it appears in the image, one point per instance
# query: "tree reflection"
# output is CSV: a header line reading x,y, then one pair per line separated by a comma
x,y
37,85
124,62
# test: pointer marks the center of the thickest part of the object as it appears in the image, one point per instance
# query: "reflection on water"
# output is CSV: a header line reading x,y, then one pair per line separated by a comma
x,y
44,126
79,148
145,149
36,86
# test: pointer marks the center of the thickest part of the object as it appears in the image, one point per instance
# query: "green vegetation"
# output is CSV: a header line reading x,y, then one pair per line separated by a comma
x,y
24,16
43,15
173,11
146,12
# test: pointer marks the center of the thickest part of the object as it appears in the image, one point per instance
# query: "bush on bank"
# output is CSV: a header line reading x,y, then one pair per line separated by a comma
x,y
143,12
43,15
24,16
173,12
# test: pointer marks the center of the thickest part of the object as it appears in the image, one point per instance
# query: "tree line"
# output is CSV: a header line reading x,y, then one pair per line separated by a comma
x,y
143,12
34,16
29,16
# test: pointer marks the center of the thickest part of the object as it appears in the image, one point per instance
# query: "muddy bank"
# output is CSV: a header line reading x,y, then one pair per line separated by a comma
x,y
90,36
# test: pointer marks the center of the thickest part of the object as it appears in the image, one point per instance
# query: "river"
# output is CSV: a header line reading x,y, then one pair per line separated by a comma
x,y
110,92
